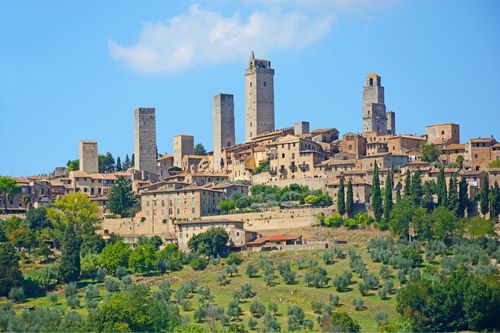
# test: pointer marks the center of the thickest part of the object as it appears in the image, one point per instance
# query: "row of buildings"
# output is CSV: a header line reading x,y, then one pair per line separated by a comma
x,y
182,186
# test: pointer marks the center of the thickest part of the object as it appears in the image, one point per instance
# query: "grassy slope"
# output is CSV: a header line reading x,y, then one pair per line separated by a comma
x,y
282,294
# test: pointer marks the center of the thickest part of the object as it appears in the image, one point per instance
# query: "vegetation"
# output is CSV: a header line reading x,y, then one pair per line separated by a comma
x,y
213,242
430,153
121,199
8,189
199,149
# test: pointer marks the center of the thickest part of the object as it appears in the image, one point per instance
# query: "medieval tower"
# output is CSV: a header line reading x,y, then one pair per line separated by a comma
x,y
145,140
259,97
89,160
374,114
223,122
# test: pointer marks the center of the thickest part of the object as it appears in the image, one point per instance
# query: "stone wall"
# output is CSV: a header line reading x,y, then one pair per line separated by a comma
x,y
89,160
223,122
145,140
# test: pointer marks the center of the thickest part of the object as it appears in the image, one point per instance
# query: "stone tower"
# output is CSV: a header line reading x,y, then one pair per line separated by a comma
x,y
145,140
223,120
183,145
374,115
391,122
89,160
259,97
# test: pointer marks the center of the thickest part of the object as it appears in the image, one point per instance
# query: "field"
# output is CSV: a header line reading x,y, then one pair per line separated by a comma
x,y
280,293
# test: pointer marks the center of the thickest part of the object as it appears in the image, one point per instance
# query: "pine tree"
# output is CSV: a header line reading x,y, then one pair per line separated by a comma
x,y
388,196
452,195
349,204
121,197
376,194
118,164
416,188
463,198
126,163
484,202
10,274
341,197
442,193
407,188
495,201
69,267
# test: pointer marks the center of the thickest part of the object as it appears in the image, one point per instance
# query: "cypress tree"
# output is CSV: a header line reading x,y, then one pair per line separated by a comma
x,y
441,188
453,195
341,197
10,274
416,188
118,164
398,195
376,195
427,200
484,202
132,161
407,188
495,202
463,198
126,163
388,197
349,204
69,267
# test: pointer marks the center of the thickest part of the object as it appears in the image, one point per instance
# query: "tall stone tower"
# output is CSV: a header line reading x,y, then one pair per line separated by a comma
x,y
183,145
145,140
89,160
374,115
391,122
259,96
223,119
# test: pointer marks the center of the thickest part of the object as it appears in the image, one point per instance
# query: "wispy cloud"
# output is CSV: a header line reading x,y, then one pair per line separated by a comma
x,y
202,36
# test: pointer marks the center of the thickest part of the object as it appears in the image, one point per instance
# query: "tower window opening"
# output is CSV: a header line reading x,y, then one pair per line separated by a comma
x,y
371,82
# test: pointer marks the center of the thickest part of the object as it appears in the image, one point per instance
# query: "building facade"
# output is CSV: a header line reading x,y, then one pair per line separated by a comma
x,y
89,159
145,140
183,145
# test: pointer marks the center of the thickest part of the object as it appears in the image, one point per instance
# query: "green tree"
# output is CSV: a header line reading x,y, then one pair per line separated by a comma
x,y
495,201
126,163
477,227
443,222
69,266
121,198
388,197
407,187
213,242
484,193
339,321
10,274
349,203
271,324
226,205
463,197
251,270
199,149
430,153
341,197
106,163
114,255
376,194
416,188
452,200
427,199
401,217
73,165
118,164
143,259
8,189
442,192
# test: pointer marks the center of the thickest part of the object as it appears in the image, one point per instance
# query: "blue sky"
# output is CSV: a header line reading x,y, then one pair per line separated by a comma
x,y
77,70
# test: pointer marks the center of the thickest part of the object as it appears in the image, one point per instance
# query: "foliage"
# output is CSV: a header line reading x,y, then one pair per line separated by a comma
x,y
416,188
442,192
199,149
388,197
114,255
484,193
234,258
477,227
257,308
121,198
44,277
316,277
213,242
341,198
339,321
376,195
17,294
199,263
271,324
334,221
263,167
69,266
8,189
143,259
10,274
251,270
430,153
135,310
73,165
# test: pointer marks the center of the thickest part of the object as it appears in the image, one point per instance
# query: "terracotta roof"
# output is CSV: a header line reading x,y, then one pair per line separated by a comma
x,y
454,146
483,140
208,221
441,124
273,238
323,130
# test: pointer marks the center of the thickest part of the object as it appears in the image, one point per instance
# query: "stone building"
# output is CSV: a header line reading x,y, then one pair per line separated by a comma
x,y
89,159
374,114
238,236
478,153
301,127
443,134
402,144
145,140
224,133
354,144
259,97
183,145
391,122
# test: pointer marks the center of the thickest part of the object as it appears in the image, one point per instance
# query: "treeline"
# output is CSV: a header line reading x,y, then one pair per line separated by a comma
x,y
106,163
264,196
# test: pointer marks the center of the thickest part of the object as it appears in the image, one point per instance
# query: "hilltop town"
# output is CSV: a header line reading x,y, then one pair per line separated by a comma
x,y
181,192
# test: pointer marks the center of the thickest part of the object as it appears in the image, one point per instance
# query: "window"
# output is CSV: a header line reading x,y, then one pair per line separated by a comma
x,y
250,84
283,155
265,83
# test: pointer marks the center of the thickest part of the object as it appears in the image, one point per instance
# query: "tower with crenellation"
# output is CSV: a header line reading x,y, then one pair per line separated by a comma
x,y
259,97
374,114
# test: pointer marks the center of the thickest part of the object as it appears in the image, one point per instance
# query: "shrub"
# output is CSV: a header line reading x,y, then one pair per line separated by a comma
x,y
234,258
251,270
334,221
112,285
17,294
246,291
289,277
363,289
231,269
73,301
52,297
381,318
317,306
222,279
257,308
385,272
328,257
198,263
358,303
252,323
